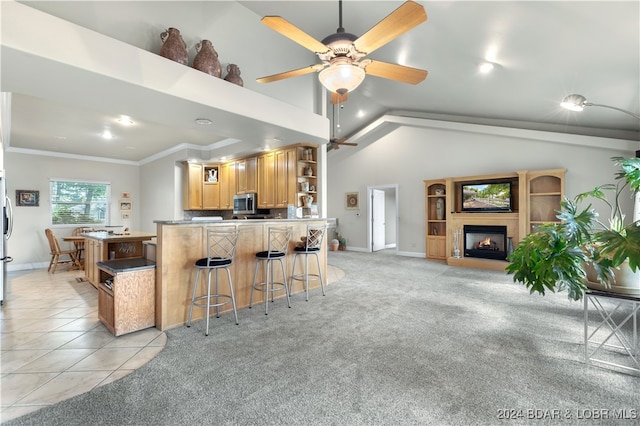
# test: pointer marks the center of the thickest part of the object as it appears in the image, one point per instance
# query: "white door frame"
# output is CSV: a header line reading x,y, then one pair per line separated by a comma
x,y
370,215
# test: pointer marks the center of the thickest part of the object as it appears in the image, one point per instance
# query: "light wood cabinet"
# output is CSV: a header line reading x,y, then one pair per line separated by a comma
x,y
285,178
227,182
280,178
266,180
436,222
100,246
246,172
192,192
126,295
211,188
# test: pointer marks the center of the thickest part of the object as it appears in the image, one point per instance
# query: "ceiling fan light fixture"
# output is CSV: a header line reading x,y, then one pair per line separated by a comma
x,y
574,102
341,77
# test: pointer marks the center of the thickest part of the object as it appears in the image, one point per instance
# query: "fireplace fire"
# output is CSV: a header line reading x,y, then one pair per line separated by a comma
x,y
487,244
485,241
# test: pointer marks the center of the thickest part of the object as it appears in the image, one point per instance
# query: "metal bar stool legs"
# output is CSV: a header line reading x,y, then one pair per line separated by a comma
x,y
306,276
221,252
310,246
278,246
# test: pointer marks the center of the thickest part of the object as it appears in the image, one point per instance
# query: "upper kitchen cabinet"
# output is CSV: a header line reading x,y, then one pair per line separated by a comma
x,y
192,192
227,183
247,175
211,188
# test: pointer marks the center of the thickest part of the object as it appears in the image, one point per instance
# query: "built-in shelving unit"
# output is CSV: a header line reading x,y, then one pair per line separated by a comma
x,y
307,176
436,223
535,197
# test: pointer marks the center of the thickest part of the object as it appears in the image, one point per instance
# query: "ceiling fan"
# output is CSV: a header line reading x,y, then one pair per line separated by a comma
x,y
334,143
343,67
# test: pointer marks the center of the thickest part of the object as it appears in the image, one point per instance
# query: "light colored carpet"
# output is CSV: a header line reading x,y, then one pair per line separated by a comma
x,y
397,341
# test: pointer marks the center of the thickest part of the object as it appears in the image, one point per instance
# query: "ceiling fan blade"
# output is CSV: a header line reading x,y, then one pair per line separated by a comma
x,y
294,33
401,20
337,98
347,143
396,72
289,74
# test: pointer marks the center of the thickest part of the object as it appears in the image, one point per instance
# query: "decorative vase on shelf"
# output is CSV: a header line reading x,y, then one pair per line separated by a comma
x,y
308,171
206,59
173,47
307,200
213,175
233,75
439,209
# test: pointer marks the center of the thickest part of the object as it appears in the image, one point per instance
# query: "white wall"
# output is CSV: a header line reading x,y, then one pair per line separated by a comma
x,y
28,245
409,155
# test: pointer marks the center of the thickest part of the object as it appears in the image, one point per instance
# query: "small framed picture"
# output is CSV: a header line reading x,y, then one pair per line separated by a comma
x,y
27,198
352,200
125,205
125,215
126,195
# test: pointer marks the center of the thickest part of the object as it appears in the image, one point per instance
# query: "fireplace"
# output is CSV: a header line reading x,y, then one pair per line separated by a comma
x,y
485,241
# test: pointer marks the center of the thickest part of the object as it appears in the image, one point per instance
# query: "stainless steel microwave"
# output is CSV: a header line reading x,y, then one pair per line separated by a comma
x,y
245,204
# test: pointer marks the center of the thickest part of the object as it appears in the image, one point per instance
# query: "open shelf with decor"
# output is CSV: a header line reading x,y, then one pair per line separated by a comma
x,y
436,223
306,175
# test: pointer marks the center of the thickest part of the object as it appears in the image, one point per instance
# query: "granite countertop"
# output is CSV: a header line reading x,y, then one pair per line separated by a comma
x,y
126,265
105,236
242,221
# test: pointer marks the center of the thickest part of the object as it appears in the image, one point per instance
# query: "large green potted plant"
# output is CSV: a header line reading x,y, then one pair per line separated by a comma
x,y
558,256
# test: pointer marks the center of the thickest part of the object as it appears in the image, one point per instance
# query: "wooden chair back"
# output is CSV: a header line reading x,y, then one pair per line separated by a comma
x,y
53,241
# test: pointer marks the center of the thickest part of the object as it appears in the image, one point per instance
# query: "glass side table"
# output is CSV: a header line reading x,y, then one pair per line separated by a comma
x,y
611,334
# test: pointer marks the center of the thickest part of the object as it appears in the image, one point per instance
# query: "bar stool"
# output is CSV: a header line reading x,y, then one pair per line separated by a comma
x,y
311,247
278,246
221,250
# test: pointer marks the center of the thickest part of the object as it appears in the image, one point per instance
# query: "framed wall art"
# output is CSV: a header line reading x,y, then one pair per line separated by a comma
x,y
352,200
27,198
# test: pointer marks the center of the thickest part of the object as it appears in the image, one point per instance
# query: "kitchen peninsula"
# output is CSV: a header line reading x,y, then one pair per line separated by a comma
x,y
180,243
102,246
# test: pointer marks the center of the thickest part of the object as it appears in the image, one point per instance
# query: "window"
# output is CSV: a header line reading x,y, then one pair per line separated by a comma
x,y
79,203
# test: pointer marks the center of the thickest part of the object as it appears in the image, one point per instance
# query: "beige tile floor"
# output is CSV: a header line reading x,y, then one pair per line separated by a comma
x,y
54,347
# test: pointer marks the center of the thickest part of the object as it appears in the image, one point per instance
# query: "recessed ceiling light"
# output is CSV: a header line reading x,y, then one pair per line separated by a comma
x,y
486,67
125,121
203,121
107,135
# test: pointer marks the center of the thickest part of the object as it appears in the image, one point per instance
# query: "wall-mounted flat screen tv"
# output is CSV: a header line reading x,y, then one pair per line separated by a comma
x,y
487,197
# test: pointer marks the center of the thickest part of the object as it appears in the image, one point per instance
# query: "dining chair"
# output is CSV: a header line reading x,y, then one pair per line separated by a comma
x,y
57,253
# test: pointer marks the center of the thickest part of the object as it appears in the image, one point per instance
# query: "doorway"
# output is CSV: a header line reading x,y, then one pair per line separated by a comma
x,y
383,217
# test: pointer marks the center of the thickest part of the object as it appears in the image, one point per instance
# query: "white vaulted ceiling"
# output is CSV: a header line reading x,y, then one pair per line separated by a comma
x,y
542,50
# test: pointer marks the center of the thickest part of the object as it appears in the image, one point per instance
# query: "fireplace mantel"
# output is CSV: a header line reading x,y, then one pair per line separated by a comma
x,y
536,196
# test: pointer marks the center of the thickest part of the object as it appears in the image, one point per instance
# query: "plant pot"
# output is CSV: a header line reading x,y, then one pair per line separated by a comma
x,y
627,281
334,247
